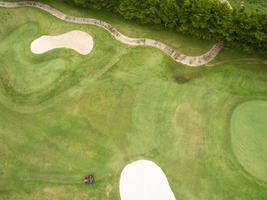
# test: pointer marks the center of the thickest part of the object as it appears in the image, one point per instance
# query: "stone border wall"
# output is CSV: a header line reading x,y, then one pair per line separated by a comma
x,y
193,61
227,3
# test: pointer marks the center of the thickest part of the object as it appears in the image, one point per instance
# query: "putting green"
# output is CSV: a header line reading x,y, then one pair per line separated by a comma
x,y
64,116
249,137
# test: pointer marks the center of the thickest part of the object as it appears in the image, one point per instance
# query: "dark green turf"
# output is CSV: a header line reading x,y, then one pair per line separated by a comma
x,y
64,115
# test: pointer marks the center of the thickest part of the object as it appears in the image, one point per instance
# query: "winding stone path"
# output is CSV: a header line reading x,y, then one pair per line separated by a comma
x,y
184,59
227,3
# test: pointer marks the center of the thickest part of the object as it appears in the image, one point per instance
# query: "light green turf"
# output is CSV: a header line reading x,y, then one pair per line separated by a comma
x,y
64,115
249,137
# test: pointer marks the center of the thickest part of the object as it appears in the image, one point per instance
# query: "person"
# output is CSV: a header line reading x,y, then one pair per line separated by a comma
x,y
89,179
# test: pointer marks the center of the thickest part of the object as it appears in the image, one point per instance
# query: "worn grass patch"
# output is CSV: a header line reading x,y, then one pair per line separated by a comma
x,y
64,116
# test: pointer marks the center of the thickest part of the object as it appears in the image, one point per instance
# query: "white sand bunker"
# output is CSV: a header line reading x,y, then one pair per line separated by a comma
x,y
144,180
77,40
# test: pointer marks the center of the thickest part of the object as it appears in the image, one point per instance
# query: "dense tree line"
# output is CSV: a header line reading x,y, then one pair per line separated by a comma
x,y
208,19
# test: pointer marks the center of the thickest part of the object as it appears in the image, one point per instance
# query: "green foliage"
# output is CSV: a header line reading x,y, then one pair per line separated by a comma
x,y
207,19
96,4
64,115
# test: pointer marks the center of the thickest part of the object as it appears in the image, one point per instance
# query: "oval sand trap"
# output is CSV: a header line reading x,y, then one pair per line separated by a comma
x,y
79,41
249,137
144,180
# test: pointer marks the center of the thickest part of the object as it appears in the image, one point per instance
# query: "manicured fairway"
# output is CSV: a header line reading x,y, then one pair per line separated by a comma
x,y
64,115
249,137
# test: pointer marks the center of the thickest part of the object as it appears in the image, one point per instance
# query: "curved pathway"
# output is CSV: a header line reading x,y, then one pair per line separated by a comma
x,y
227,3
187,60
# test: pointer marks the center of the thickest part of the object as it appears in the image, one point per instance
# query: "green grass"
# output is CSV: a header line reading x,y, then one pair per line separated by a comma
x,y
249,137
64,115
180,42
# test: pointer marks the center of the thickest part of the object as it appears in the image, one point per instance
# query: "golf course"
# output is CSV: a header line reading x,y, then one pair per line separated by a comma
x,y
85,92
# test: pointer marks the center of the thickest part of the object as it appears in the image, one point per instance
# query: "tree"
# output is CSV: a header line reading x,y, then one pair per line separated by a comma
x,y
207,19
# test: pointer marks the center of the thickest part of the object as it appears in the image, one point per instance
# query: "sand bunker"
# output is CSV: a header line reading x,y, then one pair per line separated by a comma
x,y
144,180
192,61
79,41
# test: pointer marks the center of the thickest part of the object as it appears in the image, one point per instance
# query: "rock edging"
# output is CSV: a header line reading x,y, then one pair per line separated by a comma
x,y
192,61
